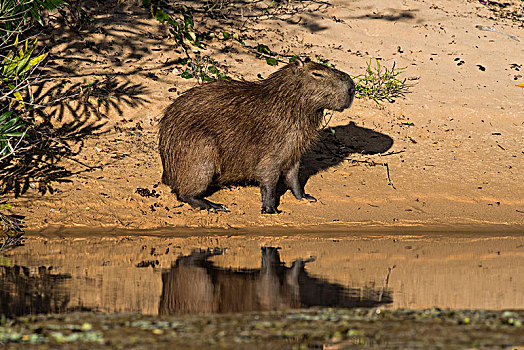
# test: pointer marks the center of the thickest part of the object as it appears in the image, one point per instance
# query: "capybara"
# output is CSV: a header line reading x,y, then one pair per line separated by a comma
x,y
230,131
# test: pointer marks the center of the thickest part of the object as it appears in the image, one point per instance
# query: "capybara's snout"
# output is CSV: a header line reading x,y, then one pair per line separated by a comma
x,y
351,93
348,89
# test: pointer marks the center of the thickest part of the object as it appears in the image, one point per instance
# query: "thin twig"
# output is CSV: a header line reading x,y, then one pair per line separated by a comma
x,y
392,153
387,171
372,163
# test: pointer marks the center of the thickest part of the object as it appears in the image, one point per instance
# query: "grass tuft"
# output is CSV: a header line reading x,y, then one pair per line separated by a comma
x,y
380,83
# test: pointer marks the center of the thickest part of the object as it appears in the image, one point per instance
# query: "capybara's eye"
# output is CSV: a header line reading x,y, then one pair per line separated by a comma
x,y
318,75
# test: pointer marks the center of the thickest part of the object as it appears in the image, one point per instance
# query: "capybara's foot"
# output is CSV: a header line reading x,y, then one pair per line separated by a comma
x,y
204,204
216,207
270,210
309,197
305,196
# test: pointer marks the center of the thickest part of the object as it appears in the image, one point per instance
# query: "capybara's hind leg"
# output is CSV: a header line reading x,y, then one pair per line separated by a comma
x,y
291,179
195,173
202,203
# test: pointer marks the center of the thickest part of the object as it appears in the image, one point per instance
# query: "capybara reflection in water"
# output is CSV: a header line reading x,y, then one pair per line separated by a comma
x,y
230,131
194,284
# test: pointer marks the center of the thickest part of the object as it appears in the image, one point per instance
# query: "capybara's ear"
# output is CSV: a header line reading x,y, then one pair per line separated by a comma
x,y
297,65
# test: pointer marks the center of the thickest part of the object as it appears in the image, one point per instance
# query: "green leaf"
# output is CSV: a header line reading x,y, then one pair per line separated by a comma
x,y
5,206
161,16
22,66
271,61
19,97
10,125
191,36
35,61
36,16
5,116
186,75
263,49
293,58
172,23
226,35
9,129
15,134
188,20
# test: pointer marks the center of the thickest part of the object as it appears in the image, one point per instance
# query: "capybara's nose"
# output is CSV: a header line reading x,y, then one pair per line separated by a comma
x,y
352,88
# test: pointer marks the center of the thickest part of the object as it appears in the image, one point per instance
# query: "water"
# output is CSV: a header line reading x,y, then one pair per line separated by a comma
x,y
220,274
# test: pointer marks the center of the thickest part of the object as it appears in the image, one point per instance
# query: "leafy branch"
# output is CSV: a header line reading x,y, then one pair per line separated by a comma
x,y
17,67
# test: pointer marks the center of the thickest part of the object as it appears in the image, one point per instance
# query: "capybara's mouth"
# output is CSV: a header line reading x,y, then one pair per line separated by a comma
x,y
349,102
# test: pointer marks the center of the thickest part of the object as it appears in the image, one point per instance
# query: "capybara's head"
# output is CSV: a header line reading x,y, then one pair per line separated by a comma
x,y
326,87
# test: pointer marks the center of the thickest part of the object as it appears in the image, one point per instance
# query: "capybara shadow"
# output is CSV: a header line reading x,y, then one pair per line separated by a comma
x,y
226,132
195,285
337,144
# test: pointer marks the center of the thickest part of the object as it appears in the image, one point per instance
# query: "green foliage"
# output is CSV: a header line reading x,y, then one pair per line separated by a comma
x,y
203,69
15,69
9,128
5,206
380,83
16,13
263,51
161,16
181,25
17,65
272,61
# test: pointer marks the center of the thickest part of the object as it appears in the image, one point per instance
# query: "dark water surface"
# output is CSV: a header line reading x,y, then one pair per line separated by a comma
x,y
221,274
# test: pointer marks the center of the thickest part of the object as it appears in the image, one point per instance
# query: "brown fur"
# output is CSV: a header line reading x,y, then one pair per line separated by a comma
x,y
228,131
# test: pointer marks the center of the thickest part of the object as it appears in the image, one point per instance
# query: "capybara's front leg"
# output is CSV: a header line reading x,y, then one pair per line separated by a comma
x,y
268,190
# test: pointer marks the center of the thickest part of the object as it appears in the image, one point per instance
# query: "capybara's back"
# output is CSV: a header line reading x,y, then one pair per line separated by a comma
x,y
227,131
